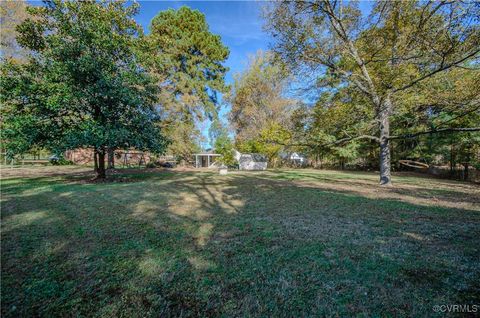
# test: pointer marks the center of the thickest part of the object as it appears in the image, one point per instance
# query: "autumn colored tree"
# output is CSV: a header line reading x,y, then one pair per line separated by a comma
x,y
260,109
12,14
398,47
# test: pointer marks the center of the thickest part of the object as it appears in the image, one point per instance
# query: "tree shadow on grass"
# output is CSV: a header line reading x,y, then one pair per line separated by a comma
x,y
206,245
465,196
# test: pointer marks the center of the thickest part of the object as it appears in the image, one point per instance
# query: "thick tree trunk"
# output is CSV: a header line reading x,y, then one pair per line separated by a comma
x,y
111,158
95,160
385,164
385,176
100,172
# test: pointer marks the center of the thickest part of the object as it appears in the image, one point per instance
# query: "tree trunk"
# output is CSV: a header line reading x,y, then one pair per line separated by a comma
x,y
465,166
95,160
452,161
385,176
111,158
100,172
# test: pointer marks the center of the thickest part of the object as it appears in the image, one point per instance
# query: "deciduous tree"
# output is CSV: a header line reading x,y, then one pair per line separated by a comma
x,y
84,86
12,13
399,46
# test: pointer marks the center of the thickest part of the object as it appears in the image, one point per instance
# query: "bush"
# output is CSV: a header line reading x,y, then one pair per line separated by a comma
x,y
60,162
151,165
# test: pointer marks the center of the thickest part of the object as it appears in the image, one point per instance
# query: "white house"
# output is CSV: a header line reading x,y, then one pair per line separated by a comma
x,y
294,157
251,161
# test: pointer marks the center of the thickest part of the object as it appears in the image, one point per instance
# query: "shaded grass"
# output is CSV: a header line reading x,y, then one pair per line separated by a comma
x,y
277,243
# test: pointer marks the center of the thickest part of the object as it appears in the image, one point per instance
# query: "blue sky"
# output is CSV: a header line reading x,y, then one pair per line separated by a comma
x,y
238,23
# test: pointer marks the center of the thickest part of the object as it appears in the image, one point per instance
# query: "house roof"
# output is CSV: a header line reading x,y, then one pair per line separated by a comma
x,y
255,157
206,154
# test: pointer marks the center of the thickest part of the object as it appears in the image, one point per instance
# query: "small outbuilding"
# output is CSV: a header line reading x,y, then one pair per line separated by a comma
x,y
251,161
206,159
294,158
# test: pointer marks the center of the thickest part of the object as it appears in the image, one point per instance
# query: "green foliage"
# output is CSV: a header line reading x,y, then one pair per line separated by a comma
x,y
185,138
150,165
84,86
61,162
188,61
272,140
258,97
407,67
224,146
222,143
260,111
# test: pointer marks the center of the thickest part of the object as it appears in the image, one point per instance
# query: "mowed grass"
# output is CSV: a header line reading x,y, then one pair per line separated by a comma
x,y
263,244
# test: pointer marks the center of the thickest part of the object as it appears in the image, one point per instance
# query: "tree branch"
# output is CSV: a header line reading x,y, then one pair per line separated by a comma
x,y
434,131
440,69
343,140
336,142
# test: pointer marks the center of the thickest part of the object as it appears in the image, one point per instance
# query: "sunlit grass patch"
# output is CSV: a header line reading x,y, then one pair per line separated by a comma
x,y
274,243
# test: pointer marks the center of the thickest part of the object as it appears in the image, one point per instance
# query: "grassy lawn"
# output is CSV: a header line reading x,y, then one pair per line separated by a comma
x,y
277,243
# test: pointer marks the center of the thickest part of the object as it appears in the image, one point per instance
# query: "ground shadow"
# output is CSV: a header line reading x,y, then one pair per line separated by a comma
x,y
198,244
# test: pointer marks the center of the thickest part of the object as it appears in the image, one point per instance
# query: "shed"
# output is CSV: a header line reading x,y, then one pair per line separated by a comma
x,y
205,159
294,157
251,161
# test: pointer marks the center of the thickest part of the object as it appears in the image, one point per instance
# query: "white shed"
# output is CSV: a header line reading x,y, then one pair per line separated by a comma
x,y
294,157
251,161
206,159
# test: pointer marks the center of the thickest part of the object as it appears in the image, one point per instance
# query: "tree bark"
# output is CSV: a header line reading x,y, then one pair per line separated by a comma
x,y
452,161
100,172
111,158
465,166
385,160
95,160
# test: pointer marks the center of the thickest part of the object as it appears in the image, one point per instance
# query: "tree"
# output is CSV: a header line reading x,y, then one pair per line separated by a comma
x,y
188,60
257,97
399,46
223,145
84,86
12,13
260,110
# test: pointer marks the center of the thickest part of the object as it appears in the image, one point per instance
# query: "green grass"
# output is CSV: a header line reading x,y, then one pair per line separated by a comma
x,y
270,244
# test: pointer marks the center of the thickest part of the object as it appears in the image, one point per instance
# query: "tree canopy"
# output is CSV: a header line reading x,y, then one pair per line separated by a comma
x,y
260,111
381,65
84,85
12,13
188,60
